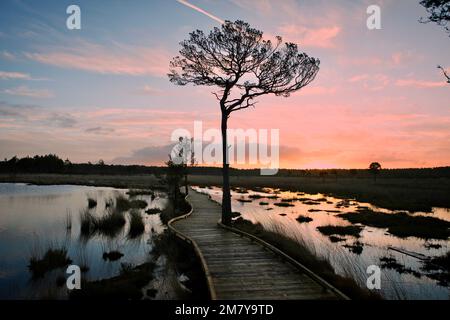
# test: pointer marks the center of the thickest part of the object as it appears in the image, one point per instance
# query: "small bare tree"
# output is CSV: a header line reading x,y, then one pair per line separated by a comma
x,y
445,73
243,66
439,12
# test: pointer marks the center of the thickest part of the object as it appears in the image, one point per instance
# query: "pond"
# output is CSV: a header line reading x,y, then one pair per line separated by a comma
x,y
36,218
349,255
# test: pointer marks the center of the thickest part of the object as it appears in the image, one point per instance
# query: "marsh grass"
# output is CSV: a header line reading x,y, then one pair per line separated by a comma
x,y
92,203
299,251
124,204
53,258
235,214
356,248
126,286
311,202
109,203
283,204
438,268
442,261
113,255
340,230
140,192
395,193
402,224
244,200
391,263
182,258
335,239
173,210
137,225
303,219
68,220
151,211
109,224
82,260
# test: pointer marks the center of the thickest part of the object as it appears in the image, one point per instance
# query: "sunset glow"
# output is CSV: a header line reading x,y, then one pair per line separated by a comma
x,y
102,92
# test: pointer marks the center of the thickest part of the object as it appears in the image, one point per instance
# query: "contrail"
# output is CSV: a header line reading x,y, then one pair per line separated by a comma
x,y
187,4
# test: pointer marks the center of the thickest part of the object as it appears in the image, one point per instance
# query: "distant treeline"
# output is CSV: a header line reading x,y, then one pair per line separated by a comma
x,y
53,164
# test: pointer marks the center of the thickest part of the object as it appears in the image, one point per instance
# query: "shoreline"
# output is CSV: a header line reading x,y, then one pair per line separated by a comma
x,y
408,194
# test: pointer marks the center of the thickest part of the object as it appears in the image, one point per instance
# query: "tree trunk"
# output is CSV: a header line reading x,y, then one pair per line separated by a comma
x,y
226,197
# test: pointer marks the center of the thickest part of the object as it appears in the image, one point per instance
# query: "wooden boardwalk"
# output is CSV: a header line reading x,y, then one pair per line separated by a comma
x,y
239,268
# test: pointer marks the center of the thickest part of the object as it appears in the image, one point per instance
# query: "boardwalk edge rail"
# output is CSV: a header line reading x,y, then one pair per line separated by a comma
x,y
182,236
285,256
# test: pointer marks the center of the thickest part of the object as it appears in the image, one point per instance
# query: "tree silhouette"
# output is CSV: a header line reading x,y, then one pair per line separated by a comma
x,y
445,73
243,66
375,168
439,12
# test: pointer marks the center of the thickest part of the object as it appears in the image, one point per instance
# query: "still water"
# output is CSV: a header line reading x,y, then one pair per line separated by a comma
x,y
351,256
34,218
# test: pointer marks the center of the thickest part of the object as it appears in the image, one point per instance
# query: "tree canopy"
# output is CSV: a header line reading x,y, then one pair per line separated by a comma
x,y
439,12
236,59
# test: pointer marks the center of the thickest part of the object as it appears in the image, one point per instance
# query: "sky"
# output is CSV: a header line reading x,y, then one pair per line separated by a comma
x,y
102,92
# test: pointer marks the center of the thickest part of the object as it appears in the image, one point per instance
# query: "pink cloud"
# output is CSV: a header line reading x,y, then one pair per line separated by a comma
x,y
7,55
404,57
4,75
24,91
263,7
116,59
150,90
321,37
420,84
317,90
372,82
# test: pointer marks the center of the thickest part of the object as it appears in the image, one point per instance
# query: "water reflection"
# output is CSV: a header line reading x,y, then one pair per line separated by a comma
x,y
35,218
349,255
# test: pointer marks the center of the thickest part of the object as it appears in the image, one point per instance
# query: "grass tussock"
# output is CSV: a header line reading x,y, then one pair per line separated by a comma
x,y
283,204
438,268
124,204
92,203
299,252
402,224
340,230
304,219
53,258
112,255
243,200
137,225
110,224
151,211
356,248
391,263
